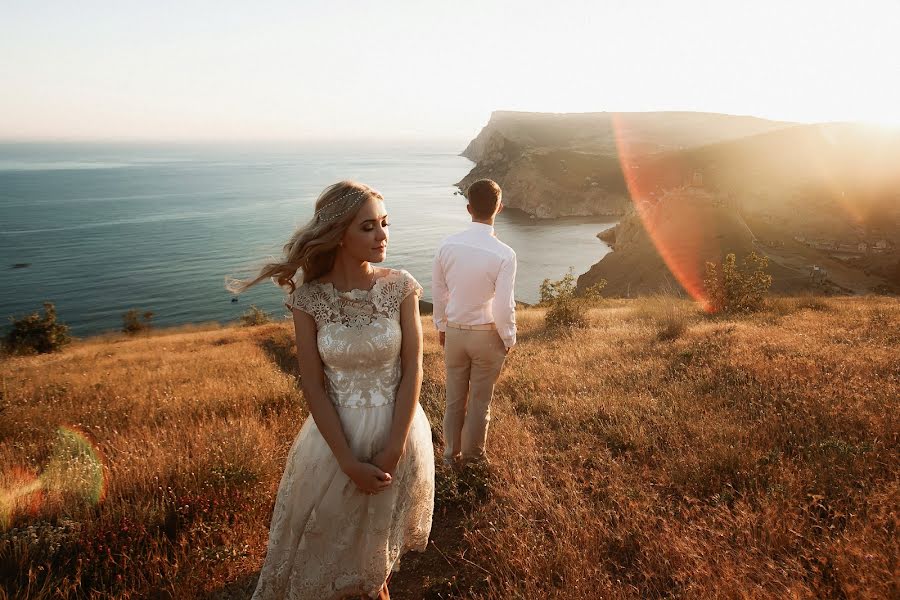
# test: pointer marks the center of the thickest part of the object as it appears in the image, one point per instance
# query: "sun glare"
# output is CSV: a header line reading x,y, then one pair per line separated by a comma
x,y
76,469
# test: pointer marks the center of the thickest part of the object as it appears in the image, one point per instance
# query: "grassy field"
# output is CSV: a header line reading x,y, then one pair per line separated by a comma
x,y
658,453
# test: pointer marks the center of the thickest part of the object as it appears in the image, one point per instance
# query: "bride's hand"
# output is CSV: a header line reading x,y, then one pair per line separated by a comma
x,y
367,477
387,460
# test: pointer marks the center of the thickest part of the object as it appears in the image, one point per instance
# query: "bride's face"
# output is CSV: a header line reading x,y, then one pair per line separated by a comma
x,y
367,236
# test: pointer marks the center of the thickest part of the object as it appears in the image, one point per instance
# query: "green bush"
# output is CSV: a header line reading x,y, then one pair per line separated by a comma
x,y
255,316
133,322
565,308
36,334
733,289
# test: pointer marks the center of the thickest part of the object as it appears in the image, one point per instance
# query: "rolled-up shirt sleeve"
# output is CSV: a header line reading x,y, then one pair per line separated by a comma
x,y
504,305
439,292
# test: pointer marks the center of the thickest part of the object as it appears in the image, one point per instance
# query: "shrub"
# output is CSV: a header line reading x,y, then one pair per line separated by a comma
x,y
732,289
36,334
566,308
132,323
670,315
255,316
670,326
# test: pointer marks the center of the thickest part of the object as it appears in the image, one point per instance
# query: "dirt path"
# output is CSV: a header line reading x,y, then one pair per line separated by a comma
x,y
439,573
443,572
433,574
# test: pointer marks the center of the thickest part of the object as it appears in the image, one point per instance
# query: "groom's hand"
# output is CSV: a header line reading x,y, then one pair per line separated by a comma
x,y
442,337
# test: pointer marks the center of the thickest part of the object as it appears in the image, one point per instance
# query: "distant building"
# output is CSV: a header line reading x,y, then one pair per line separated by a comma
x,y
823,244
850,248
818,274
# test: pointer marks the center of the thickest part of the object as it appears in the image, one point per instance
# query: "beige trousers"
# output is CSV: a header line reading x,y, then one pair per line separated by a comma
x,y
473,359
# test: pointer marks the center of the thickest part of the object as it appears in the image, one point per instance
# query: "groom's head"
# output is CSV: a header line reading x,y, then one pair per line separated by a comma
x,y
484,199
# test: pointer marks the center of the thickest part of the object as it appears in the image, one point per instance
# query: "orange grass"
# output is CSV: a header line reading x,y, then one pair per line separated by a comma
x,y
658,453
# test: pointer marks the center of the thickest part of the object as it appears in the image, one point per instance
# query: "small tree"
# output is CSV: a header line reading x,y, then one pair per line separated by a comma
x,y
133,322
565,308
36,334
255,316
732,289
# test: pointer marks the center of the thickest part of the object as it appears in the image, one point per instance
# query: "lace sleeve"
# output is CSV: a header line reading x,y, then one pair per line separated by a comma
x,y
408,285
299,299
314,301
392,290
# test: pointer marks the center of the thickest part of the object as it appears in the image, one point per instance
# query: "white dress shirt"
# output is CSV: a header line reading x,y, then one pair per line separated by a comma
x,y
472,282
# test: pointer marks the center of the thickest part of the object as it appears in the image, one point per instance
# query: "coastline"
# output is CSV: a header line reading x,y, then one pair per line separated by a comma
x,y
160,233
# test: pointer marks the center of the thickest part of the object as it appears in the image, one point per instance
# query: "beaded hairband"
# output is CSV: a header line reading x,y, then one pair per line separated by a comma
x,y
359,195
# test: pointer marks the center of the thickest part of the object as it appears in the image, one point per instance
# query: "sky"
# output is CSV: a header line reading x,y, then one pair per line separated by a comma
x,y
350,69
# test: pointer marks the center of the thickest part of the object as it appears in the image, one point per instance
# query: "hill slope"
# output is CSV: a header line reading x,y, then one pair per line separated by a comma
x,y
597,132
553,165
657,453
825,195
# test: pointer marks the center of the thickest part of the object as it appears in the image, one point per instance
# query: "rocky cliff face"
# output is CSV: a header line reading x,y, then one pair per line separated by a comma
x,y
677,227
526,189
554,165
715,184
536,182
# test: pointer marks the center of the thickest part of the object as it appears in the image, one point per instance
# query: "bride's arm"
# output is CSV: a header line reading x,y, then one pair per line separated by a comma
x,y
410,384
367,477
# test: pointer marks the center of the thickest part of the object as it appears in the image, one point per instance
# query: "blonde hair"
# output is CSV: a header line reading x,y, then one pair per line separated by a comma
x,y
312,247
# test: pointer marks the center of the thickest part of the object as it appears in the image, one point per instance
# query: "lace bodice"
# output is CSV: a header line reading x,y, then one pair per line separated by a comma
x,y
358,336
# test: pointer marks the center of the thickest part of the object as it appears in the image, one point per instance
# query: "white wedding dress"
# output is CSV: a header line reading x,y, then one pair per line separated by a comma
x,y
328,540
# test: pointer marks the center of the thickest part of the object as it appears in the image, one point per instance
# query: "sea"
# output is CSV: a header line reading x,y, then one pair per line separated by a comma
x,y
102,228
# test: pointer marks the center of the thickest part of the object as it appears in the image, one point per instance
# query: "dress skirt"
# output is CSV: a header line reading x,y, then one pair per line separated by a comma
x,y
328,540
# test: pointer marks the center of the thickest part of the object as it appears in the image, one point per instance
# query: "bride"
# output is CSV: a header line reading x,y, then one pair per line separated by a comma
x,y
358,488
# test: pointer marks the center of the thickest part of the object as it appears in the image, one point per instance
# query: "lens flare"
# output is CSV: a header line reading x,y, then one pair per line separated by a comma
x,y
858,168
76,468
681,228
22,493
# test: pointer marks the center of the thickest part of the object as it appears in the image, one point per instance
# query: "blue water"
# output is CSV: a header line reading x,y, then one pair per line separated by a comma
x,y
107,228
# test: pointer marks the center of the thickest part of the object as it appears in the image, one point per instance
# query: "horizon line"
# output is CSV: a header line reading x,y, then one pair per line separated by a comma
x,y
405,137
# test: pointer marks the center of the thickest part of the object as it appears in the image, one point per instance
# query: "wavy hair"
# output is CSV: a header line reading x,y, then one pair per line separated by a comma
x,y
312,247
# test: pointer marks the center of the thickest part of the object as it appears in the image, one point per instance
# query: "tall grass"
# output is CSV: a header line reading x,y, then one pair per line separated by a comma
x,y
736,459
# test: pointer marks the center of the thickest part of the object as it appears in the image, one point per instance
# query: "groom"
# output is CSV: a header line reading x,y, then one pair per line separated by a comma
x,y
475,314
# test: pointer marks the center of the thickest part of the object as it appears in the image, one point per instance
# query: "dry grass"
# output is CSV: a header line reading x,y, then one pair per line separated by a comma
x,y
194,427
658,453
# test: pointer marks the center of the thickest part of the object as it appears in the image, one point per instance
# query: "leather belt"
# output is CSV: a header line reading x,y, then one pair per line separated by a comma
x,y
483,327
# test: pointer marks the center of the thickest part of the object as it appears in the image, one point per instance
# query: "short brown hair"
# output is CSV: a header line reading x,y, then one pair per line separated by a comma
x,y
484,198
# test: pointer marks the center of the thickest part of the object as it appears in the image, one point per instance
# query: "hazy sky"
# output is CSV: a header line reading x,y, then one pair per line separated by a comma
x,y
344,69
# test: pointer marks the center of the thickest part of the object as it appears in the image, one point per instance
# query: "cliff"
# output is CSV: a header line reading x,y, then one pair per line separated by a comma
x,y
549,183
553,165
803,195
673,227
